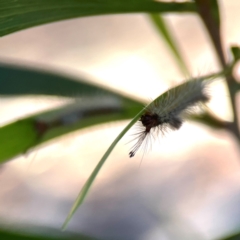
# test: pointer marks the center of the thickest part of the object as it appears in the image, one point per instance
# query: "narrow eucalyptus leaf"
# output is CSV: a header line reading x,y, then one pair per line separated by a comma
x,y
22,14
235,52
20,136
44,234
235,236
17,80
166,33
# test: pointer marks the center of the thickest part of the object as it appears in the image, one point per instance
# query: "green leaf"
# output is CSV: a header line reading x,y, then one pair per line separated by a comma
x,y
209,13
210,120
17,235
22,14
165,32
48,125
215,11
17,138
209,10
98,105
235,52
235,236
17,80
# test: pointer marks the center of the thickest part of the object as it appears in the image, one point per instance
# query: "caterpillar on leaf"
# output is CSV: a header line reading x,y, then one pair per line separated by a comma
x,y
168,110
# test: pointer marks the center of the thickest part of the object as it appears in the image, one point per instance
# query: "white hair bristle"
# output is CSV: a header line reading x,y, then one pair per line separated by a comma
x,y
167,111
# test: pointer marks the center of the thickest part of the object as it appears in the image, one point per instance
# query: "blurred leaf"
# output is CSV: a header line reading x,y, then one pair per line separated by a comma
x,y
210,120
234,85
215,11
210,10
98,105
22,14
16,235
20,136
17,80
17,138
164,30
235,52
235,236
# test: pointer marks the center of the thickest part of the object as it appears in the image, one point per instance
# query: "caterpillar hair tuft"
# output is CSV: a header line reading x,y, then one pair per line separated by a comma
x,y
168,110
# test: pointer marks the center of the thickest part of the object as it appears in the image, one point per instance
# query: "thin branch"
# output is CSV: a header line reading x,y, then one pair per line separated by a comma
x,y
209,13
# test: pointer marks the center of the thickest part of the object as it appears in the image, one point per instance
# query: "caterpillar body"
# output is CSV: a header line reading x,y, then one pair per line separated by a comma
x,y
168,110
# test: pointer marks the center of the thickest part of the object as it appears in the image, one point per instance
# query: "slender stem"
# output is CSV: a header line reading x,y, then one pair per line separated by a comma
x,y
212,24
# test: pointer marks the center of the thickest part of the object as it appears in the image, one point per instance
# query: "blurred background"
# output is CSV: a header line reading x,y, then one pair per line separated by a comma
x,y
186,187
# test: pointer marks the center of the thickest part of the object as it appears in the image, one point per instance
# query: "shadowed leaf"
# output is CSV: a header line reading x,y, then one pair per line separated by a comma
x,y
20,136
22,14
165,32
17,80
235,236
97,105
16,235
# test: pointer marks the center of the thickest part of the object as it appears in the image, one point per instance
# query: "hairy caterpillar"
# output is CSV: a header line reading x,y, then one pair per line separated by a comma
x,y
168,110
